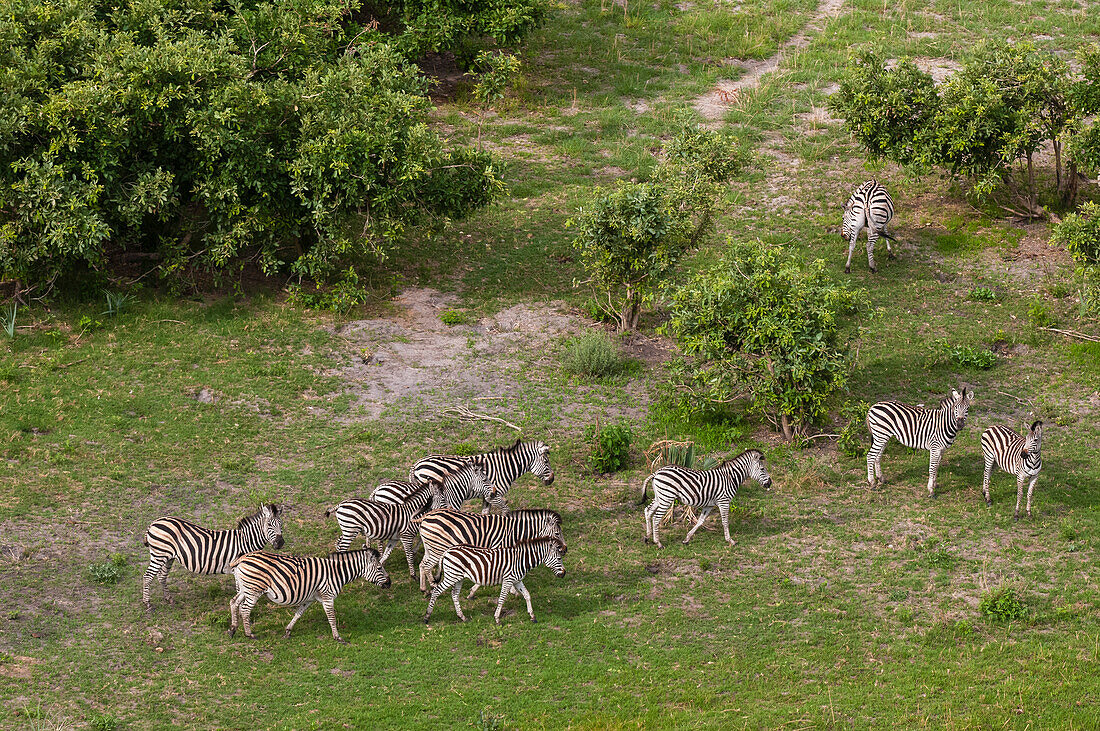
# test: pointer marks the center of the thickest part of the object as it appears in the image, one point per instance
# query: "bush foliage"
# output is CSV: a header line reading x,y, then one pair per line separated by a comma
x,y
764,325
593,355
1080,234
197,133
610,447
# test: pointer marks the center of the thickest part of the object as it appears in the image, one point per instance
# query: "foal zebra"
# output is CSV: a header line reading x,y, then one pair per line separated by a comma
x,y
917,427
502,466
505,566
702,489
1017,455
299,581
468,481
870,207
202,550
386,522
443,529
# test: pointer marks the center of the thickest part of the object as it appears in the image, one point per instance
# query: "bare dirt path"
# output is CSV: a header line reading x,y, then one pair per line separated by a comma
x,y
714,103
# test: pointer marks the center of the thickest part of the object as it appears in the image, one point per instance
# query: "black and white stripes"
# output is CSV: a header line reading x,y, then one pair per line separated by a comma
x,y
1020,456
505,566
502,466
917,427
870,207
202,550
299,581
704,489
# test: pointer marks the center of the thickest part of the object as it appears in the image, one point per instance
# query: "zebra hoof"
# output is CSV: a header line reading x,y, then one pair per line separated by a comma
x,y
231,631
286,635
891,256
732,543
874,270
1016,518
847,270
685,541
250,636
341,640
534,620
989,503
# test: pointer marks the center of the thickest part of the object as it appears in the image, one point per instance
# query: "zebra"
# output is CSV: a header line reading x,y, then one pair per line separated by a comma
x,y
502,466
917,427
870,207
202,550
299,581
443,529
703,489
1012,453
386,522
469,481
505,566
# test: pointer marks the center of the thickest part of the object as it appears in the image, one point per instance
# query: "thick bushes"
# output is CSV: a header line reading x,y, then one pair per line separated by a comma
x,y
204,134
761,325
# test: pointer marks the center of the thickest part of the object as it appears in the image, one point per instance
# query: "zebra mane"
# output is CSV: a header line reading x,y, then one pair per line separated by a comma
x,y
534,541
739,459
251,519
542,511
510,449
345,555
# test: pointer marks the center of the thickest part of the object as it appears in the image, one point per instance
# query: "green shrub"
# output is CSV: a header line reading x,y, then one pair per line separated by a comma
x,y
341,296
983,294
1002,605
8,317
466,449
852,441
455,317
610,447
110,572
763,325
222,134
1080,234
966,357
1038,314
593,355
104,722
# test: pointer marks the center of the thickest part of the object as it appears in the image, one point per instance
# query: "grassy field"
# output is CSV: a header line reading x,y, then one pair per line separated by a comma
x,y
838,607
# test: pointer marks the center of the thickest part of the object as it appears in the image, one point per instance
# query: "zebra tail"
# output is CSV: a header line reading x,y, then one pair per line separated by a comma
x,y
885,235
145,540
644,485
330,511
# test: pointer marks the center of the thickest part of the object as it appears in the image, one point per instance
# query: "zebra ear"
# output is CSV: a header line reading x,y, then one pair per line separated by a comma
x,y
1037,426
955,394
544,449
274,509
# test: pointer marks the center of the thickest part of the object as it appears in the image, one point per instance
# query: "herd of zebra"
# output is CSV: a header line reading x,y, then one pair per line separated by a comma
x,y
501,548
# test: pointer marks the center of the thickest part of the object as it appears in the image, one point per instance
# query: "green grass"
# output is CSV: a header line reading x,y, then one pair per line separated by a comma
x,y
839,606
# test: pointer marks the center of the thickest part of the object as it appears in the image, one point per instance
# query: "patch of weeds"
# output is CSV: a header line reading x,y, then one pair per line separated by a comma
x,y
983,294
941,558
455,317
6,658
906,615
1067,532
593,355
13,615
340,297
116,302
852,440
487,721
964,356
465,449
7,318
9,373
899,595
1058,289
104,722
87,324
704,564
712,429
110,572
610,447
963,628
1002,605
1038,314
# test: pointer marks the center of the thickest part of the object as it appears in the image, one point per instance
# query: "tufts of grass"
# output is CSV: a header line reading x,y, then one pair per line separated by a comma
x,y
593,355
1002,605
104,722
110,572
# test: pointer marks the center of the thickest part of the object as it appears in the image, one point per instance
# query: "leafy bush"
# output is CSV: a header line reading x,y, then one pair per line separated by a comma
x,y
110,572
763,325
983,294
104,722
230,133
610,447
1038,314
593,355
466,449
1002,605
1080,234
8,317
965,356
632,236
852,440
454,317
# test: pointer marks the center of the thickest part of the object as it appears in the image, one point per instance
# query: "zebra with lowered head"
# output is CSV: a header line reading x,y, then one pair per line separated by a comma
x,y
443,529
202,550
916,427
299,581
469,481
502,466
386,522
1020,456
505,566
701,489
870,207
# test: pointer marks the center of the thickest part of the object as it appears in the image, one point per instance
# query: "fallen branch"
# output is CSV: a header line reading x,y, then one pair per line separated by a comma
x,y
60,366
1073,334
464,413
819,436
1016,398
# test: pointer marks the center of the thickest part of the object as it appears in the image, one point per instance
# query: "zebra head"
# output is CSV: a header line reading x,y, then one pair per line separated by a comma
x,y
272,525
551,528
553,557
373,570
1033,442
756,469
540,464
959,404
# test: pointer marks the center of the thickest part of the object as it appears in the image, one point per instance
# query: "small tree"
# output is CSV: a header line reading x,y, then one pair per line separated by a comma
x,y
632,237
1080,234
762,325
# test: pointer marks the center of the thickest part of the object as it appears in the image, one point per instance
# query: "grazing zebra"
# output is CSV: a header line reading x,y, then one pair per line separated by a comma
x,y
469,481
702,489
202,550
505,566
443,529
386,522
917,427
1015,454
868,207
299,581
502,466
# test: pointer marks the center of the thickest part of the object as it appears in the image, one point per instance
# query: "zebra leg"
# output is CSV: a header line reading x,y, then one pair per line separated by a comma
x,y
454,597
504,589
407,545
702,516
933,470
874,460
244,610
527,597
485,506
851,249
437,590
390,545
151,573
329,605
655,519
871,237
724,510
164,580
298,615
234,614
648,514
1021,478
343,543
985,481
1030,488
475,587
889,251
